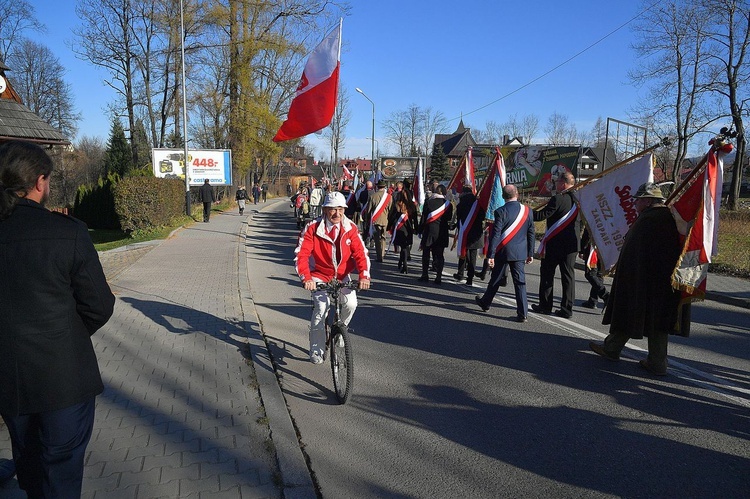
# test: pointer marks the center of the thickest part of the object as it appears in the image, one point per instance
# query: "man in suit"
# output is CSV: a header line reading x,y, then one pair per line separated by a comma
x,y
559,248
433,228
379,207
53,298
512,238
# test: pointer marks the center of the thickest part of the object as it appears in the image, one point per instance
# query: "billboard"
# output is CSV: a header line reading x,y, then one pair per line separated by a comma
x,y
536,168
395,168
212,164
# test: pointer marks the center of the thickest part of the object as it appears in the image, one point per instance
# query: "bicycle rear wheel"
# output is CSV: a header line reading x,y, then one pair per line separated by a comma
x,y
342,365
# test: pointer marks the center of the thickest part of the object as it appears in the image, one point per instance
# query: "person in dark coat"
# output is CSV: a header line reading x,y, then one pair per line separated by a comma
x,y
559,248
642,301
207,196
512,239
241,198
433,228
53,297
474,237
402,225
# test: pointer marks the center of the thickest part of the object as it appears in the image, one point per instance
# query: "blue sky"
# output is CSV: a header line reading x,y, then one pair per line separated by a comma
x,y
455,57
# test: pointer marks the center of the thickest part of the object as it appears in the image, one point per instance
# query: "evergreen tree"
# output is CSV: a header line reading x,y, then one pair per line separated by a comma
x,y
118,157
141,145
439,167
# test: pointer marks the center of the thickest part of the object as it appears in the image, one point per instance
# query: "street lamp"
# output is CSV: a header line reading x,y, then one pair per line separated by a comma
x,y
372,154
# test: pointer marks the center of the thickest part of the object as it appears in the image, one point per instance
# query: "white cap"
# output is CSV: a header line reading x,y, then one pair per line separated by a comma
x,y
335,200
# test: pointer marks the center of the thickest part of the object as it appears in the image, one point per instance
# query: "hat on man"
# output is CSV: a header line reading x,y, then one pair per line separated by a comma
x,y
381,183
649,190
335,200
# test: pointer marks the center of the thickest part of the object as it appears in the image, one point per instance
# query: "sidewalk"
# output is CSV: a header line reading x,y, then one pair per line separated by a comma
x,y
191,406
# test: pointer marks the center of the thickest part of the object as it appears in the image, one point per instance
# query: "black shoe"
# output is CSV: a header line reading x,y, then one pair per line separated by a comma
x,y
599,349
539,310
438,281
503,282
479,275
7,470
520,318
468,282
481,305
423,278
648,367
589,303
563,314
458,277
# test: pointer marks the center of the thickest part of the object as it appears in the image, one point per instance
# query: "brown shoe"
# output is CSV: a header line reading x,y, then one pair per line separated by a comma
x,y
599,349
648,367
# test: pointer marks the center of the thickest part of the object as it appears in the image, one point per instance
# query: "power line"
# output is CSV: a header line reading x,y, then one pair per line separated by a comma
x,y
597,42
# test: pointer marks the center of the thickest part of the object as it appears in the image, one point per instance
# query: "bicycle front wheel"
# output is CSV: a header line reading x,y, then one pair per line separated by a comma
x,y
342,365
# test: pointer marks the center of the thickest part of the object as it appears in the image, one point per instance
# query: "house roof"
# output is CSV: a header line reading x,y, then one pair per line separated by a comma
x,y
18,122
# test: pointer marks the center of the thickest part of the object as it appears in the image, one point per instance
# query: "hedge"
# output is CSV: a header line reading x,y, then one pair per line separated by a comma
x,y
144,203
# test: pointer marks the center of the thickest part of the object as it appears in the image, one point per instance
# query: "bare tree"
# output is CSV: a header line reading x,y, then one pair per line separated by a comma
x,y
335,133
433,122
90,153
397,131
729,35
39,79
524,129
560,131
672,62
16,18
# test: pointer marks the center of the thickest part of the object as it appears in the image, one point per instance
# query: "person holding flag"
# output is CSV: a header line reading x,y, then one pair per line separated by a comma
x,y
642,300
433,229
558,248
378,208
512,244
469,235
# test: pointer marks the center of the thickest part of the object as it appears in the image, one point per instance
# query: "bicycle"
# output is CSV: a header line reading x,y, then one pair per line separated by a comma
x,y
338,341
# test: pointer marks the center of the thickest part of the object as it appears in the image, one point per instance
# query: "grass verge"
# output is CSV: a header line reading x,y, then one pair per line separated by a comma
x,y
110,239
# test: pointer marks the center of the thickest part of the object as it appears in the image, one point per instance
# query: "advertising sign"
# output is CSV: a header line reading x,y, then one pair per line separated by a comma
x,y
212,164
538,167
395,169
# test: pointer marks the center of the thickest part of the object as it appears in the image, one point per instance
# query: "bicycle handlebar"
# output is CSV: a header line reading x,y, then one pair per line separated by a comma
x,y
334,285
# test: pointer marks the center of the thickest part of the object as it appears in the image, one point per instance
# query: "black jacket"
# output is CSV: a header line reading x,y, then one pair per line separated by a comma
x,y
53,297
565,242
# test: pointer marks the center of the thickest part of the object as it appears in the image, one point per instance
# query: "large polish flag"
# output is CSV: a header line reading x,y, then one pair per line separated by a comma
x,y
315,102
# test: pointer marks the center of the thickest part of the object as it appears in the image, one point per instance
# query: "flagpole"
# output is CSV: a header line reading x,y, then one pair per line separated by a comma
x,y
662,142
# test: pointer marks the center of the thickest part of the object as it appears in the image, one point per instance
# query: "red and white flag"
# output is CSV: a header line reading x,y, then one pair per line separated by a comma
x,y
347,174
313,107
488,200
464,175
696,213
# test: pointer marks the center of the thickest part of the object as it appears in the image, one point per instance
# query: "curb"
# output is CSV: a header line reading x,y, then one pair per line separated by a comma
x,y
296,480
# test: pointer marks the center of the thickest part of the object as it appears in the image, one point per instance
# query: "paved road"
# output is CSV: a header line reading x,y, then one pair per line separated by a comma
x,y
451,402
448,402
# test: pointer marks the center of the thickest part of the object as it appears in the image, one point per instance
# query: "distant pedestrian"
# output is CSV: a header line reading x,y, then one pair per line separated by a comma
x,y
642,301
256,193
241,197
474,235
512,239
208,197
53,297
264,192
402,224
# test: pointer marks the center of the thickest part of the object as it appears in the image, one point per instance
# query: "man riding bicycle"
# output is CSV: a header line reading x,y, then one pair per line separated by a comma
x,y
330,247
